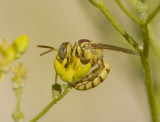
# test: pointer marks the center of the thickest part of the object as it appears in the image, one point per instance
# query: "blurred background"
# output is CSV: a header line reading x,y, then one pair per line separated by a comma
x,y
120,98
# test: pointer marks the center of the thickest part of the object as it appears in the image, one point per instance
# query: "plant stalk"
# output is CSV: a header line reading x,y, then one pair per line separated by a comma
x,y
115,23
149,89
49,106
143,54
148,79
152,14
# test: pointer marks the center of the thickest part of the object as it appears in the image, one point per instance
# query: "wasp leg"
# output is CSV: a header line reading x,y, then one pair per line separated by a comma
x,y
94,59
95,77
76,50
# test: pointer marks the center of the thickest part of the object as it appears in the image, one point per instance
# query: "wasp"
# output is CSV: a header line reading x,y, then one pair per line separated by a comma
x,y
74,63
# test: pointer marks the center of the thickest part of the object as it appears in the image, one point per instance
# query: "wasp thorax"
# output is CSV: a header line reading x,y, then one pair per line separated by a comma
x,y
83,42
65,50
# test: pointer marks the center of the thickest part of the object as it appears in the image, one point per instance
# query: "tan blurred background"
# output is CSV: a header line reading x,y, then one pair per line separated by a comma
x,y
120,98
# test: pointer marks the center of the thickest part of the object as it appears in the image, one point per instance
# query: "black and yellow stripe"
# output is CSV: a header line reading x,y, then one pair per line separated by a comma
x,y
95,77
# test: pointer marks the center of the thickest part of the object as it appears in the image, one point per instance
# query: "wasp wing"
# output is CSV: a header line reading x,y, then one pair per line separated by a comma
x,y
112,47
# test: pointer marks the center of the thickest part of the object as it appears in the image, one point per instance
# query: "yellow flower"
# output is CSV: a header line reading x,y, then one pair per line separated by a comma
x,y
9,53
20,74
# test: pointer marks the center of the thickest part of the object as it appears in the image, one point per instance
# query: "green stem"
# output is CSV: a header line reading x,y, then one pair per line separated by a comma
x,y
149,88
148,82
130,15
18,97
17,114
152,15
144,55
48,107
146,40
114,22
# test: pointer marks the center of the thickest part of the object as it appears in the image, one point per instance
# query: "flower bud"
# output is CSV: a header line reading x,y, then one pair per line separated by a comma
x,y
56,90
18,116
20,44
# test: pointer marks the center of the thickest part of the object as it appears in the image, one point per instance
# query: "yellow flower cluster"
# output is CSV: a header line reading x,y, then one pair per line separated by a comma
x,y
73,71
19,75
9,53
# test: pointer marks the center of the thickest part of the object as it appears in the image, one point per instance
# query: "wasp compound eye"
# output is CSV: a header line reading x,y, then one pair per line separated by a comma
x,y
65,50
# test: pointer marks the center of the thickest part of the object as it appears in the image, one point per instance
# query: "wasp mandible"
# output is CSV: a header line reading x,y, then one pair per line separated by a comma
x,y
70,60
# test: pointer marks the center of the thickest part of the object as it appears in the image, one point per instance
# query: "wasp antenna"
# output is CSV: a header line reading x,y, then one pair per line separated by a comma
x,y
45,52
43,46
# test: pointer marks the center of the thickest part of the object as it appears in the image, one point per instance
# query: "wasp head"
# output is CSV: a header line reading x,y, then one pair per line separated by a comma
x,y
65,50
